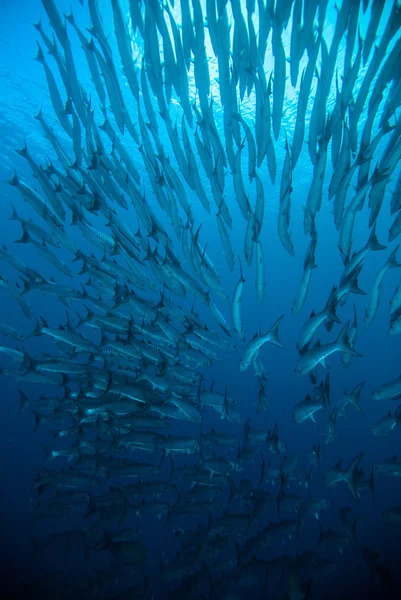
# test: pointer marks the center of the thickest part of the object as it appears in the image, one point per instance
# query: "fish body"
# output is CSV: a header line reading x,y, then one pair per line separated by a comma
x,y
318,354
257,342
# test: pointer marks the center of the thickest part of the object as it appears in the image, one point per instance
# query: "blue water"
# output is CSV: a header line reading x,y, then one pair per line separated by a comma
x,y
23,91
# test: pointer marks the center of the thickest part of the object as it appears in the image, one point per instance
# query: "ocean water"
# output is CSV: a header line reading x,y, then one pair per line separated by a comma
x,y
23,93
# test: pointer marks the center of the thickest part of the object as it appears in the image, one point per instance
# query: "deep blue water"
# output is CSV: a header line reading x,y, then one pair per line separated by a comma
x,y
23,91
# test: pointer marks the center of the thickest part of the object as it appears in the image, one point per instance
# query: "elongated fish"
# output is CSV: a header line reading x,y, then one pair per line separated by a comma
x,y
317,355
253,347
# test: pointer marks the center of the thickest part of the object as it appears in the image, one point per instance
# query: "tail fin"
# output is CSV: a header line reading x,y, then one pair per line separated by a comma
x,y
23,400
331,305
355,396
70,17
22,152
353,285
38,25
49,456
37,330
38,420
343,342
14,215
332,427
25,238
351,476
273,333
39,117
14,180
373,242
40,56
391,262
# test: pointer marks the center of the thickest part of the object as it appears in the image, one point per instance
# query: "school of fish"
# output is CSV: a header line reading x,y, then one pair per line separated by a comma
x,y
135,160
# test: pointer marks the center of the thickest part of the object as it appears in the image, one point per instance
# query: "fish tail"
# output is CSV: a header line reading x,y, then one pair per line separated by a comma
x,y
48,449
14,180
38,420
23,151
40,56
354,285
392,259
273,333
70,17
343,342
351,478
331,307
373,242
23,399
25,238
37,330
356,394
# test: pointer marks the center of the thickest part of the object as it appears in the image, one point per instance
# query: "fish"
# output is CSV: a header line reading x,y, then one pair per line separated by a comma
x,y
304,284
374,298
236,316
352,398
352,333
337,474
263,400
395,323
389,467
260,273
306,409
257,342
387,424
318,353
308,330
285,202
